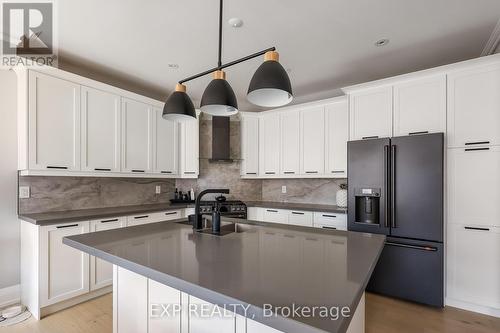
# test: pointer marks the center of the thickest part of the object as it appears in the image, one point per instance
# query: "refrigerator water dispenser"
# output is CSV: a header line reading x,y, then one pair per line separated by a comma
x,y
367,205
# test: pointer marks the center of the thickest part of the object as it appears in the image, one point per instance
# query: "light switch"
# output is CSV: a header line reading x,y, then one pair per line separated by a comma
x,y
158,189
24,192
283,189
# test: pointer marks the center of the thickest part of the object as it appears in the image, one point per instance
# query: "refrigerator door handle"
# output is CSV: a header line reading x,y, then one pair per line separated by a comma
x,y
415,247
387,185
393,186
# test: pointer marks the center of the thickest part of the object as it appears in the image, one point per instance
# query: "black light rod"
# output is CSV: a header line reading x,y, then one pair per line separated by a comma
x,y
229,64
219,60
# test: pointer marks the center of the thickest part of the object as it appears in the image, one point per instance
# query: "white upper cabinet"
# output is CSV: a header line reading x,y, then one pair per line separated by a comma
x,y
100,131
370,113
290,142
137,136
474,106
269,144
189,148
249,145
337,135
313,141
420,106
165,144
54,123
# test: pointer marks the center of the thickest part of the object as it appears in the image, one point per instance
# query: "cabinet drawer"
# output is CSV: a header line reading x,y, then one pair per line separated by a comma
x,y
139,219
275,215
298,217
330,220
165,216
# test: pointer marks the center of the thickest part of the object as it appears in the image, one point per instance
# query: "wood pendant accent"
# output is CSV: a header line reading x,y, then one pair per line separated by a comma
x,y
220,75
180,87
272,55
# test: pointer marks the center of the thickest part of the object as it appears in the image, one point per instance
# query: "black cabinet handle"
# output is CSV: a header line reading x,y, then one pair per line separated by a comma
x,y
189,172
67,226
57,167
270,173
332,228
415,247
141,217
272,210
393,187
289,172
387,185
102,169
477,143
251,173
370,137
477,228
324,215
112,220
311,171
338,171
476,149
298,213
165,171
135,170
170,213
416,133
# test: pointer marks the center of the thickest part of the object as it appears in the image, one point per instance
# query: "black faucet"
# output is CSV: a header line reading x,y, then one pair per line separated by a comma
x,y
198,221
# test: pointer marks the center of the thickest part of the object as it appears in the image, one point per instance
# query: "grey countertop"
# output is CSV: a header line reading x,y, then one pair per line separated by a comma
x,y
266,264
98,213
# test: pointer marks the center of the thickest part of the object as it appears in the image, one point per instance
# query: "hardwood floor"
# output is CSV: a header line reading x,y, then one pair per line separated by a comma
x,y
383,315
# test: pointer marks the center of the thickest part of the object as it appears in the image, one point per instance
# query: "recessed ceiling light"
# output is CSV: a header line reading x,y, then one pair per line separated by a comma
x,y
382,42
235,22
173,66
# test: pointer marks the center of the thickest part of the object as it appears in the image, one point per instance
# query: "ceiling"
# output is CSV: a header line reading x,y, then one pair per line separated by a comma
x,y
326,44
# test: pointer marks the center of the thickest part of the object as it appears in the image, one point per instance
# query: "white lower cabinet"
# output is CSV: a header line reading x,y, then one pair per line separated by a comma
x,y
330,221
139,219
275,215
256,327
130,301
298,217
64,271
199,323
165,216
101,272
473,260
160,295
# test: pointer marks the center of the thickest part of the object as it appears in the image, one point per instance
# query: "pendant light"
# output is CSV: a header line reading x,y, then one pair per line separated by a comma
x,y
218,98
179,106
270,85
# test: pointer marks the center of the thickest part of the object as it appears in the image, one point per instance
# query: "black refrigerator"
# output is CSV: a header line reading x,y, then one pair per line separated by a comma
x,y
396,189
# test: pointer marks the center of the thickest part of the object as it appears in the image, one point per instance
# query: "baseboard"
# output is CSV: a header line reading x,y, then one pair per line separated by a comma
x,y
10,295
473,307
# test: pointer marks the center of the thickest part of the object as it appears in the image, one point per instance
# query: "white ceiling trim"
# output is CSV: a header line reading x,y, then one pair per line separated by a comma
x,y
493,42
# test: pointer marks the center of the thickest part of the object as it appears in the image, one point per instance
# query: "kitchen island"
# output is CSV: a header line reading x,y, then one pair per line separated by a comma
x,y
266,277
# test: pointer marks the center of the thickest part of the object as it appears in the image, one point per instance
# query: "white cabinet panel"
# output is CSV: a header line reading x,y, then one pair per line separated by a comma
x,y
225,323
269,144
249,145
255,213
256,327
54,123
290,143
330,221
101,272
337,135
64,271
275,215
131,304
100,130
165,144
474,185
189,148
137,137
473,106
312,122
161,295
297,217
370,113
420,106
474,265
139,219
165,216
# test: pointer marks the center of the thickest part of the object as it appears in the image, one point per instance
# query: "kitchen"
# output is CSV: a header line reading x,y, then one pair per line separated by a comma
x,y
376,196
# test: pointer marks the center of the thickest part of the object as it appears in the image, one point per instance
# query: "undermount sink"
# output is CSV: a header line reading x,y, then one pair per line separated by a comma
x,y
225,228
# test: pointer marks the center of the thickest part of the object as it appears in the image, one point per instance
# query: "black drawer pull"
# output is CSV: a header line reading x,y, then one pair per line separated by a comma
x,y
289,172
477,228
370,137
477,143
135,170
270,173
67,226
476,149
338,171
324,215
141,217
102,169
251,173
416,133
272,210
189,172
170,213
57,167
112,220
414,247
165,171
311,171
298,213
332,228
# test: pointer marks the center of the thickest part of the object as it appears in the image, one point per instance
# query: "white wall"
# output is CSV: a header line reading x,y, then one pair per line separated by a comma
x,y
9,225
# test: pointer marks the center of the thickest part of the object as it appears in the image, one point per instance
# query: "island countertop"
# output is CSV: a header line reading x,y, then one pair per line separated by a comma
x,y
263,264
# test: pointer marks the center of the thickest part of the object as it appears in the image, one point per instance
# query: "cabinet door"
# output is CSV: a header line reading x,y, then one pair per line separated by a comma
x,y
370,113
64,271
100,131
297,217
474,265
337,135
256,327
474,185
131,314
198,323
189,145
420,106
165,145
255,213
161,295
137,137
313,141
250,145
54,123
269,127
101,272
275,216
290,143
473,106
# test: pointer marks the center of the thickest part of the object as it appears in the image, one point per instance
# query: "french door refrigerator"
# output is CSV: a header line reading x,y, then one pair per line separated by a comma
x,y
396,189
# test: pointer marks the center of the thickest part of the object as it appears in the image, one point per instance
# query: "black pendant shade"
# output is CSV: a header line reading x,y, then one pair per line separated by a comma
x,y
218,98
179,106
270,85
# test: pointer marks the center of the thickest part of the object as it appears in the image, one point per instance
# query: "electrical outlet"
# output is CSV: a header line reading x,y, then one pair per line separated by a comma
x,y
24,192
283,189
158,189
